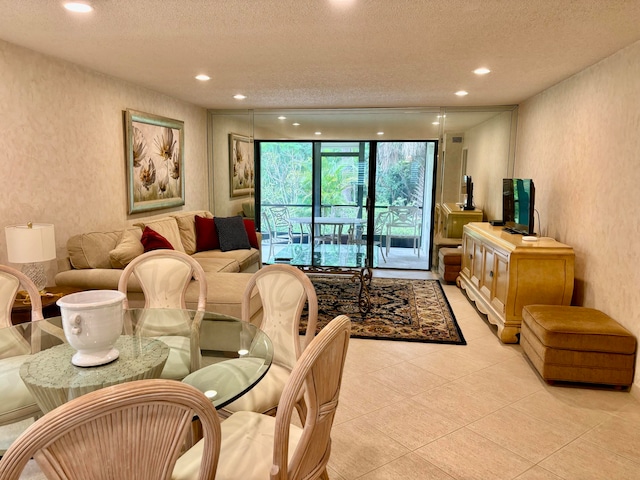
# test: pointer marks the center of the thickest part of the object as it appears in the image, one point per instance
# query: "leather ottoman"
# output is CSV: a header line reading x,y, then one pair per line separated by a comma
x,y
449,263
577,344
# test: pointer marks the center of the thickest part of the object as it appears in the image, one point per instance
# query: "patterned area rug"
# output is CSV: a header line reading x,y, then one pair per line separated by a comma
x,y
407,310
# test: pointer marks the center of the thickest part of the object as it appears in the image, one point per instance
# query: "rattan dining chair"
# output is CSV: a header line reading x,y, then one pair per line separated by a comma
x,y
256,446
284,291
17,402
164,276
133,430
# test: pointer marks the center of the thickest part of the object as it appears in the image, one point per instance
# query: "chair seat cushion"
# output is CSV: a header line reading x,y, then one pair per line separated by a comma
x,y
246,451
17,402
179,359
265,396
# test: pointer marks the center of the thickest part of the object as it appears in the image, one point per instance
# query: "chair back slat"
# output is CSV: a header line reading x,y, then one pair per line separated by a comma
x,y
318,374
134,430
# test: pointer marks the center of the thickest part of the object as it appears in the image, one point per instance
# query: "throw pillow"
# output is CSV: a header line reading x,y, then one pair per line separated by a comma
x,y
127,249
250,227
206,234
231,233
152,240
187,228
168,228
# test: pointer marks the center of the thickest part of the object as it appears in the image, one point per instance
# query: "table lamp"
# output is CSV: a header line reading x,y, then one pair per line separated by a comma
x,y
30,245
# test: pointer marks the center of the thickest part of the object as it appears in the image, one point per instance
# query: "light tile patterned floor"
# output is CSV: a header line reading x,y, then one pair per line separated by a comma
x,y
418,411
423,411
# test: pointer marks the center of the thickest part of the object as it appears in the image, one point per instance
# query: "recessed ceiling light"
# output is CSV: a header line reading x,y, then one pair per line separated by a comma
x,y
481,71
380,133
435,123
462,93
318,133
78,7
203,78
296,124
282,117
239,96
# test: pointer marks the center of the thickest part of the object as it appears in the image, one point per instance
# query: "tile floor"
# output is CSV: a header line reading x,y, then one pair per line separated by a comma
x,y
426,411
417,411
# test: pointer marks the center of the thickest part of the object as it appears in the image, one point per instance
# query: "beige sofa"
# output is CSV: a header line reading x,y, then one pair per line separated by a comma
x,y
96,260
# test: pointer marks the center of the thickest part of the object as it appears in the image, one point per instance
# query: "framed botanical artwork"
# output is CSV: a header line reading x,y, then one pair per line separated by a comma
x,y
155,161
241,166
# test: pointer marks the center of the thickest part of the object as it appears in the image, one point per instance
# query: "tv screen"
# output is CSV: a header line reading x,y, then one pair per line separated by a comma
x,y
518,195
468,183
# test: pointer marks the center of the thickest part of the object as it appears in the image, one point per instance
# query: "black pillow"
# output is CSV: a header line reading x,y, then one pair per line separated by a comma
x,y
231,233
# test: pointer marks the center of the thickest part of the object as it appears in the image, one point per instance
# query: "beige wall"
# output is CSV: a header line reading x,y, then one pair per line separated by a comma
x,y
580,142
488,162
62,146
223,124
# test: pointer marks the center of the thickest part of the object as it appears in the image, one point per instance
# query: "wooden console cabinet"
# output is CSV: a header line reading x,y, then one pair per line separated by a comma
x,y
450,218
455,218
501,273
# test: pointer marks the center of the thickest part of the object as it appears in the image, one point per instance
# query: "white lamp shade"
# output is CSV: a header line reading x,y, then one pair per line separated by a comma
x,y
30,244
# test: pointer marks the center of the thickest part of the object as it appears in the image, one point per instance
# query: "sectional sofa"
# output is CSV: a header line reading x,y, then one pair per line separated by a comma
x,y
96,260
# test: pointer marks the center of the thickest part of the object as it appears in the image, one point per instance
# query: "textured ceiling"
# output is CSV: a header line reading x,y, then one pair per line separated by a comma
x,y
330,54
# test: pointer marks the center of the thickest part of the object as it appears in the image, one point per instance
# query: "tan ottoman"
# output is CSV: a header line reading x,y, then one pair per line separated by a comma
x,y
577,344
449,263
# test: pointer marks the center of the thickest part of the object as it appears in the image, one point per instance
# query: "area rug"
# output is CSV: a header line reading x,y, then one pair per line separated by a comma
x,y
406,310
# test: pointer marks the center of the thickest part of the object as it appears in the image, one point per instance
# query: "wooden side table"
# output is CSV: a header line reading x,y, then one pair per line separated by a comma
x,y
21,312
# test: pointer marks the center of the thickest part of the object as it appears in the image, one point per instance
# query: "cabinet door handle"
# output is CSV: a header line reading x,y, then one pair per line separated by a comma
x,y
471,256
491,274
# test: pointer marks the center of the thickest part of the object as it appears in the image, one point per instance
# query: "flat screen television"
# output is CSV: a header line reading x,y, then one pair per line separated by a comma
x,y
518,196
468,183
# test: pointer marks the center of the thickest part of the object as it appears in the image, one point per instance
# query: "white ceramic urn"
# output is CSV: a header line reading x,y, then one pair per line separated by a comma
x,y
92,323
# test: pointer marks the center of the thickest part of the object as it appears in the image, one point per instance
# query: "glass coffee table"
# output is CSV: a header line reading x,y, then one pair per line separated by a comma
x,y
332,259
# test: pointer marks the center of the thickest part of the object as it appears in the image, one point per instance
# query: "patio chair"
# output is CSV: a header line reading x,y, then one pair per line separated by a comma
x,y
257,446
274,237
134,430
405,223
379,227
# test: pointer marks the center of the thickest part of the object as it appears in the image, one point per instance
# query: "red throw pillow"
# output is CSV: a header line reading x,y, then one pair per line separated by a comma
x,y
250,227
206,234
152,240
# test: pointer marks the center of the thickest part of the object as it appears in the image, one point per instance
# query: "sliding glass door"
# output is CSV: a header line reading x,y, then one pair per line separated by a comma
x,y
375,197
404,174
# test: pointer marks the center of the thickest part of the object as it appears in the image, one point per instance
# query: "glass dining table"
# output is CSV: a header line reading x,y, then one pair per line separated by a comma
x,y
235,355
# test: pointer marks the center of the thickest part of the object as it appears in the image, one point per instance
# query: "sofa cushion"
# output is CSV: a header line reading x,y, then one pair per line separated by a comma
x,y
95,279
232,233
128,248
225,291
244,258
250,228
168,228
218,264
206,234
152,240
187,228
249,209
91,250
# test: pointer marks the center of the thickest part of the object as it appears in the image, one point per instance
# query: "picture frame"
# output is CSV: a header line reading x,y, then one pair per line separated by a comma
x,y
241,165
155,161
